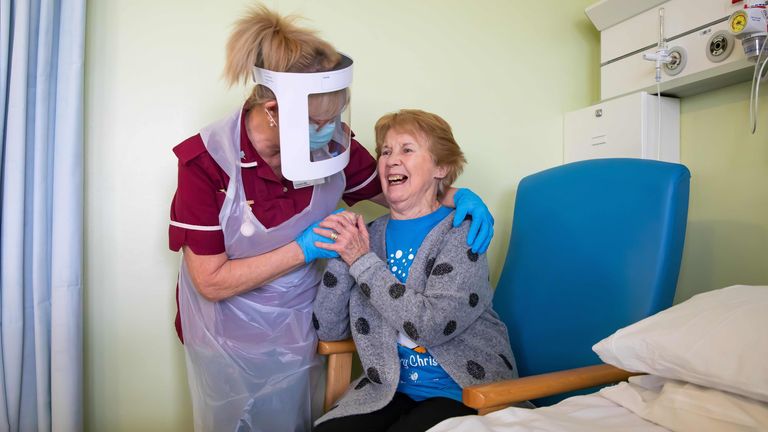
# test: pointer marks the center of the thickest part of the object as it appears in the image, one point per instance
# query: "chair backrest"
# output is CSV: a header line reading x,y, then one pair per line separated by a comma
x,y
595,245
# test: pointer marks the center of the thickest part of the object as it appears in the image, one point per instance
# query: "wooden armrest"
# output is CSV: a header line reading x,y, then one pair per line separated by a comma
x,y
335,347
494,396
339,368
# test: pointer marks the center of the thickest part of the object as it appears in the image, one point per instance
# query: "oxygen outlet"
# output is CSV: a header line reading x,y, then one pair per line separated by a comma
x,y
678,58
719,46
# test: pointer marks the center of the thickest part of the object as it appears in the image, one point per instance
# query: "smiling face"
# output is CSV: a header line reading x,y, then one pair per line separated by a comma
x,y
408,174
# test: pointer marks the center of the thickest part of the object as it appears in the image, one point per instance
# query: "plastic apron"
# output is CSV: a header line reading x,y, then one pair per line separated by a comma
x,y
251,358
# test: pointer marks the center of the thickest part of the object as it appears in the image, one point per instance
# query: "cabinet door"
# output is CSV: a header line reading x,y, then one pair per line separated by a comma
x,y
610,129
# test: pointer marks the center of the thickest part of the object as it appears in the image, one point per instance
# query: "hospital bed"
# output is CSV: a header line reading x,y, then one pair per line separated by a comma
x,y
704,369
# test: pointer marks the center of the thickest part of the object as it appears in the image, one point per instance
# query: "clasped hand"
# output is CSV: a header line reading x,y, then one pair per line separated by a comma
x,y
349,235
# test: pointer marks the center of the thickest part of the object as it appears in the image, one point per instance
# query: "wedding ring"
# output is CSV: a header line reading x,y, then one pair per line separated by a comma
x,y
334,236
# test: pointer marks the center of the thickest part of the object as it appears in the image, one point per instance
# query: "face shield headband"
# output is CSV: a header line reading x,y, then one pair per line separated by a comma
x,y
298,153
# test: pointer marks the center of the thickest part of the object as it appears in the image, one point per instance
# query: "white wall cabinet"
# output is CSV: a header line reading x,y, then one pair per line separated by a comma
x,y
624,127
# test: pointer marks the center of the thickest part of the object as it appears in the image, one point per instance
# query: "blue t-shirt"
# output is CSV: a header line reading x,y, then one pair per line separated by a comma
x,y
421,376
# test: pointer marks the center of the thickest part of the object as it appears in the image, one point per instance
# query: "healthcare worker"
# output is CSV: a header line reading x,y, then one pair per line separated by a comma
x,y
250,189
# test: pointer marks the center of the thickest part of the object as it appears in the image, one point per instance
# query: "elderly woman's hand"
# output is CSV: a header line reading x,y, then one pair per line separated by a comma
x,y
349,233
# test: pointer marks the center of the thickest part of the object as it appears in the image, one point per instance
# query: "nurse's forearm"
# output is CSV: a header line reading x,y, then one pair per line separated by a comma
x,y
217,277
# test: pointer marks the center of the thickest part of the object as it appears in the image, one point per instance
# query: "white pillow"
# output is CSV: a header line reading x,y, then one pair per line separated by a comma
x,y
717,339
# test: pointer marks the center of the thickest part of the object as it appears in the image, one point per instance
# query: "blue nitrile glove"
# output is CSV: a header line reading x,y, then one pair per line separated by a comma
x,y
307,239
481,228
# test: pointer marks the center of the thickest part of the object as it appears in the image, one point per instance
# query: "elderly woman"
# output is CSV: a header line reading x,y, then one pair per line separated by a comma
x,y
415,298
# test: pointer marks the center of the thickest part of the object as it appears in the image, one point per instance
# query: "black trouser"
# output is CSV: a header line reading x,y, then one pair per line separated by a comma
x,y
402,414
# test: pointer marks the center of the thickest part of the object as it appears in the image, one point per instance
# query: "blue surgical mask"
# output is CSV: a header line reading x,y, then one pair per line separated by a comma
x,y
319,138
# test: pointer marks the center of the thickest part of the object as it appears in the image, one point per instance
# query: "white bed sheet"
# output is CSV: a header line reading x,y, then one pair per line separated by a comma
x,y
682,406
644,404
589,413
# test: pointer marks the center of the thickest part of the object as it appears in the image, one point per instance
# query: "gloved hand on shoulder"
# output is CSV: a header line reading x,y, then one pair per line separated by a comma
x,y
481,227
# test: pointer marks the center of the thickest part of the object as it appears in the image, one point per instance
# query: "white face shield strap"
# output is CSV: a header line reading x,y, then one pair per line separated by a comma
x,y
313,120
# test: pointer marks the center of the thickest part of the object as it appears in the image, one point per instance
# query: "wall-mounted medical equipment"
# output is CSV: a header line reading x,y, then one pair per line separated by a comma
x,y
663,56
690,43
750,26
628,126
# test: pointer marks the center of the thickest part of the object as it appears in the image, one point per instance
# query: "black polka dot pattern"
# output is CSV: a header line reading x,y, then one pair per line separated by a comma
x,y
474,299
442,269
315,322
373,375
450,328
363,382
472,255
430,264
365,289
506,361
475,370
362,326
396,290
410,330
330,280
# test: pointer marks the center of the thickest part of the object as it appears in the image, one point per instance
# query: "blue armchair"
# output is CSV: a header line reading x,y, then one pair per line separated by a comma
x,y
595,246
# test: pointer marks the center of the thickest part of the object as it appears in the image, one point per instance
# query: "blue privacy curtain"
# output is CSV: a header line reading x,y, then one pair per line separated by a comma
x,y
41,214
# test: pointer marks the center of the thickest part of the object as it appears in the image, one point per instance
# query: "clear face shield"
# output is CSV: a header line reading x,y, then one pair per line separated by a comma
x,y
314,119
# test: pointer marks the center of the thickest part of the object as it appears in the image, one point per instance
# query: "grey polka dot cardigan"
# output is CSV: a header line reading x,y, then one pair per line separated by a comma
x,y
445,306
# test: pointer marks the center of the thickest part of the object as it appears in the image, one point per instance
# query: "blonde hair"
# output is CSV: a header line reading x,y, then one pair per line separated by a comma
x,y
439,137
328,105
267,40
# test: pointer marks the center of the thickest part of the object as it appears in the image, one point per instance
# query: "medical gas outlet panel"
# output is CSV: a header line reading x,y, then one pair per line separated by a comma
x,y
701,51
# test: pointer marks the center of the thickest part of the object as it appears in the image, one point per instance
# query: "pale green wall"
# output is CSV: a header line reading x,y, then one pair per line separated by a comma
x,y
500,78
501,72
727,237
